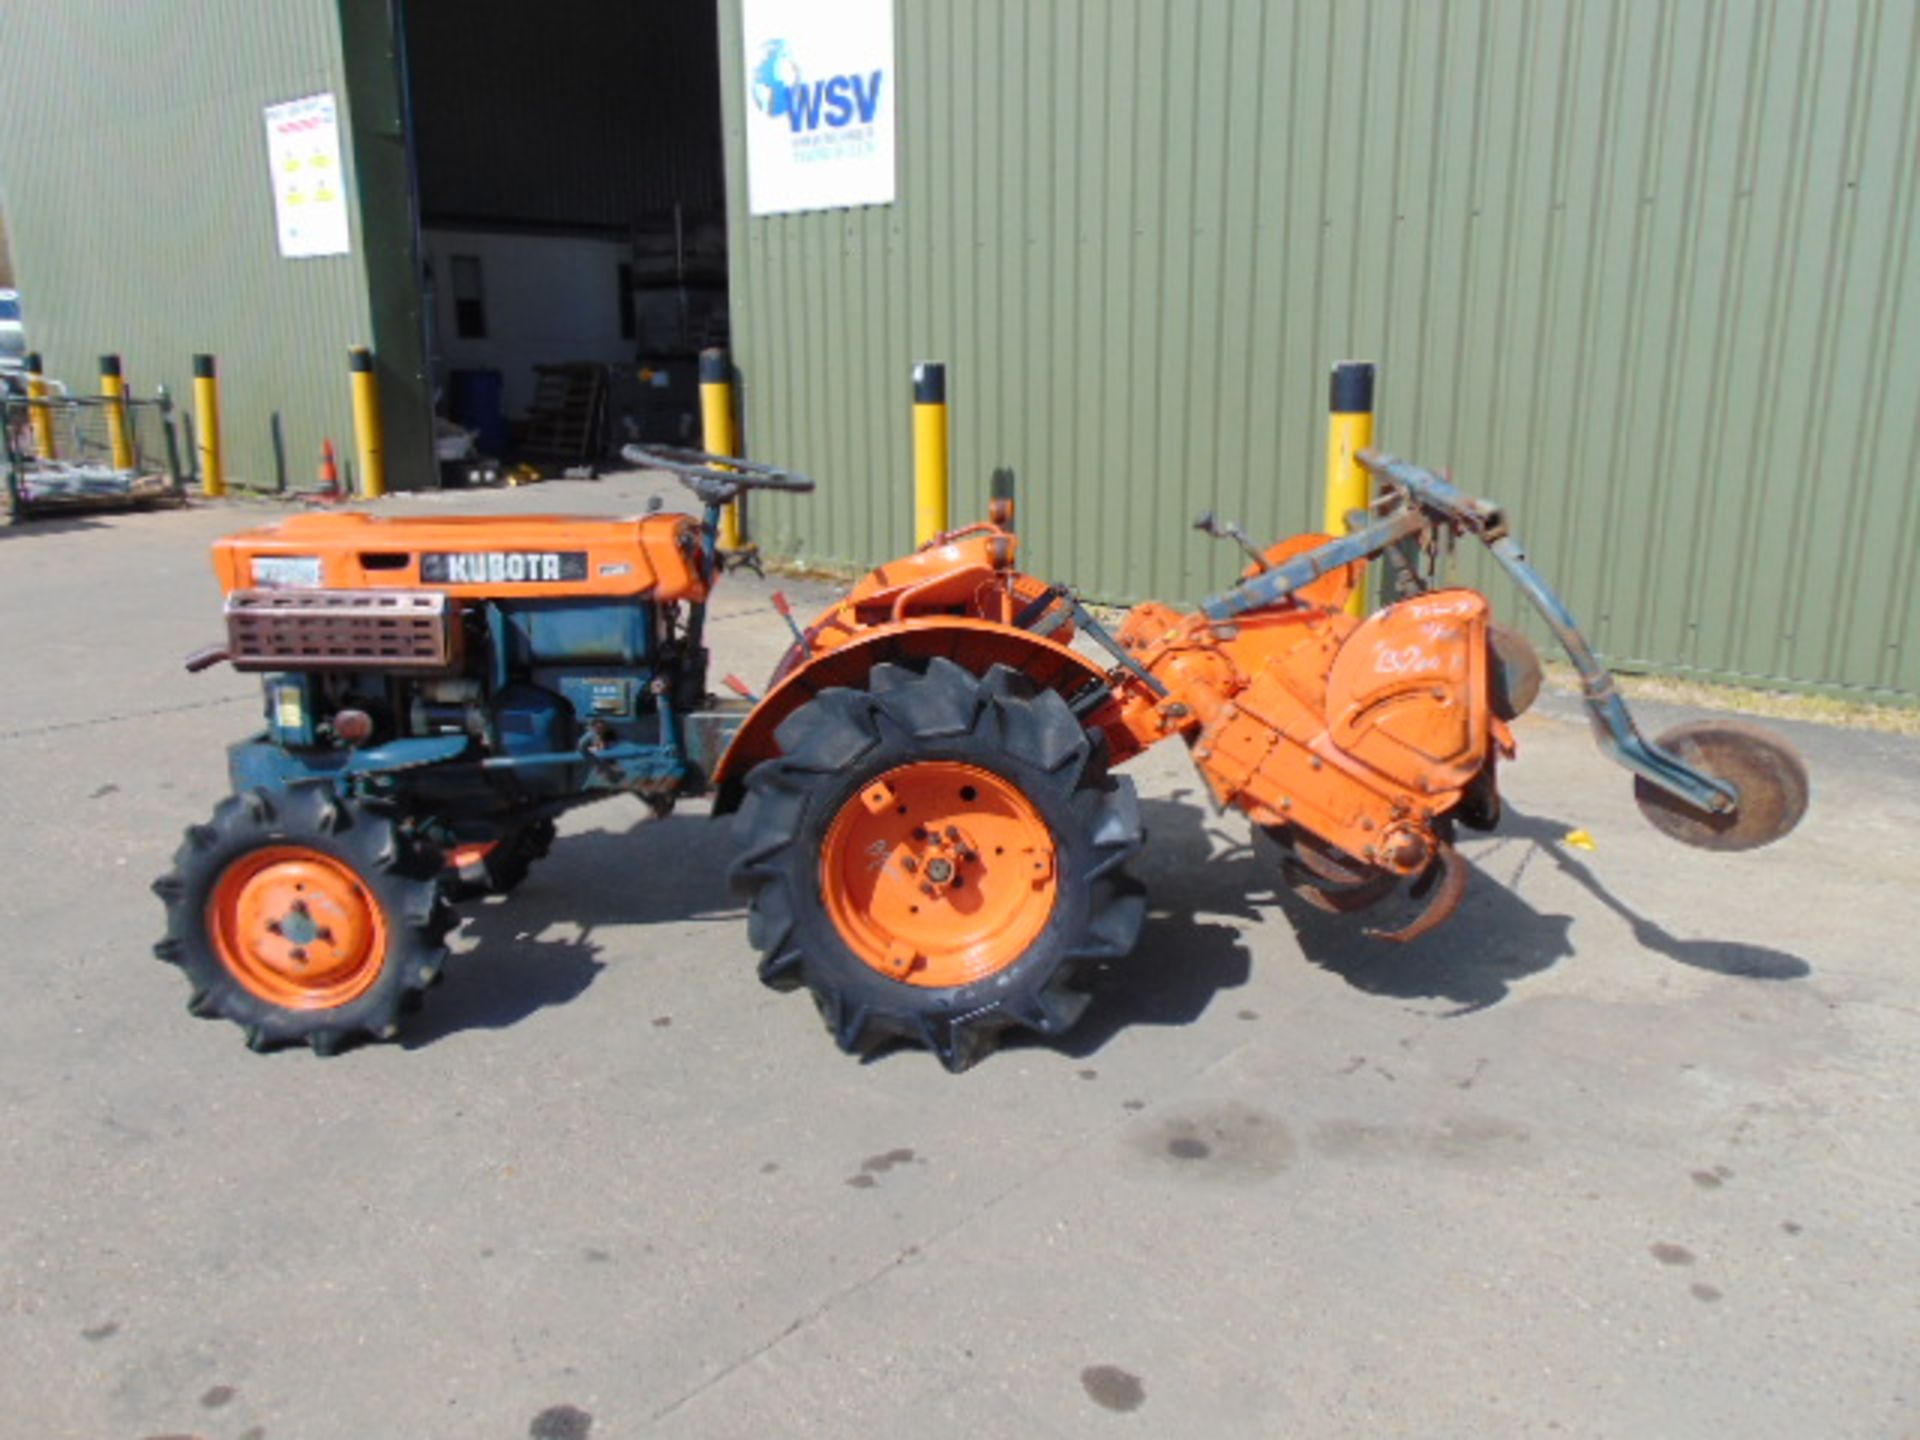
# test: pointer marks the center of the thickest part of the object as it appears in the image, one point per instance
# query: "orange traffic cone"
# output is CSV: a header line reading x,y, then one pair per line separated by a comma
x,y
329,492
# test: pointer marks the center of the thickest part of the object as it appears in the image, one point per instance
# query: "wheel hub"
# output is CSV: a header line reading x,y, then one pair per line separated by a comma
x,y
939,873
297,928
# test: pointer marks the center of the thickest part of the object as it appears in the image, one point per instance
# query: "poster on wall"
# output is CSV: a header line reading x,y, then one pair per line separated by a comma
x,y
309,192
820,104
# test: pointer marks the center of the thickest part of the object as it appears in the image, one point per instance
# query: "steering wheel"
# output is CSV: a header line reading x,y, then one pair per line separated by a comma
x,y
716,479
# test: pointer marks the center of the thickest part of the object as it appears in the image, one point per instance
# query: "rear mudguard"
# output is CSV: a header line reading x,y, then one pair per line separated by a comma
x,y
974,645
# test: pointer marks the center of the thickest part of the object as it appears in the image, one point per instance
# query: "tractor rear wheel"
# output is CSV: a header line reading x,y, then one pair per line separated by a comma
x,y
935,857
304,918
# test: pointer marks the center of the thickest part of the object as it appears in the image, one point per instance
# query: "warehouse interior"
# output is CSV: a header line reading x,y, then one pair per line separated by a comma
x,y
571,205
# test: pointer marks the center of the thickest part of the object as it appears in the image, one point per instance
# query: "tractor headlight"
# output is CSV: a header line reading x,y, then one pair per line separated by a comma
x,y
286,572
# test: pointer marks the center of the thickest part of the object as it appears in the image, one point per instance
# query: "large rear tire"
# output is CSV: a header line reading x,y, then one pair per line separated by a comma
x,y
304,918
936,857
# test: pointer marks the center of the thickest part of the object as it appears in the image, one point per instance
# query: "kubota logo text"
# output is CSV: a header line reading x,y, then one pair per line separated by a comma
x,y
503,567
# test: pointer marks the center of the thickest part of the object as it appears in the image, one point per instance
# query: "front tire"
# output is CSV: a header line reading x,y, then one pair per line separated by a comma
x,y
936,857
303,918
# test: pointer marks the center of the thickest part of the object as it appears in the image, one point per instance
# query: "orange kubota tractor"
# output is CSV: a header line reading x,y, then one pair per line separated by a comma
x,y
930,836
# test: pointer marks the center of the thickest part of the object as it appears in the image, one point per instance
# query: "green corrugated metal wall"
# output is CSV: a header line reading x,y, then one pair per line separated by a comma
x,y
1647,272
140,126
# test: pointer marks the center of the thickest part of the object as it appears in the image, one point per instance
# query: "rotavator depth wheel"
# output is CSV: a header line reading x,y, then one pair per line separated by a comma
x,y
935,857
1765,773
304,918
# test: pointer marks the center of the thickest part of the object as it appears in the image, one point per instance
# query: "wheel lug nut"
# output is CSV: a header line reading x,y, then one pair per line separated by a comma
x,y
953,832
909,864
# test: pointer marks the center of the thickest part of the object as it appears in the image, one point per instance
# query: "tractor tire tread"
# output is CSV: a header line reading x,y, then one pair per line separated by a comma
x,y
403,875
830,747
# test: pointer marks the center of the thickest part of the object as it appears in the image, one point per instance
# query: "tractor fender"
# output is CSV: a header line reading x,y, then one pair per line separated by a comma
x,y
974,645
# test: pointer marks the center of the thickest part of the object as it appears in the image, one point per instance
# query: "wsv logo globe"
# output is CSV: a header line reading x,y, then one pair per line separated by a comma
x,y
781,92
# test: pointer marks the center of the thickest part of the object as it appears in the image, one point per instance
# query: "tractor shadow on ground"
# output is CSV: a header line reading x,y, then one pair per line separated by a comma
x,y
535,949
1498,938
1184,959
506,978
1194,870
1733,958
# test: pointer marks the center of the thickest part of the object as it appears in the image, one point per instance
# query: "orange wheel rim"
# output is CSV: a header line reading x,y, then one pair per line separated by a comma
x,y
938,873
297,928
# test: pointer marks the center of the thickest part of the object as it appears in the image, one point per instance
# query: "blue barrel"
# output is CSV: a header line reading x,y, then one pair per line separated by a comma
x,y
474,400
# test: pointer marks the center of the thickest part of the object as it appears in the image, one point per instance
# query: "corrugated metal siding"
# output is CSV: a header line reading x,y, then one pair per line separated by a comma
x,y
572,113
1646,272
390,244
133,170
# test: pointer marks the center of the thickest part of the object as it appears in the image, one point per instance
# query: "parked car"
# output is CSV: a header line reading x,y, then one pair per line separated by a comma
x,y
13,335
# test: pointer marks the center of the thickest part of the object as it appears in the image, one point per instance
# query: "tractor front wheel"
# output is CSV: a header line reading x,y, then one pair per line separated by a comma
x,y
935,857
303,918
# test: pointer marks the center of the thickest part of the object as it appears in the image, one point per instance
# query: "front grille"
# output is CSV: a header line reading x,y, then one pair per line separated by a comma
x,y
342,630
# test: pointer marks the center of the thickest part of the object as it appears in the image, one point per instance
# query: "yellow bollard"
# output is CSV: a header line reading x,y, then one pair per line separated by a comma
x,y
113,389
1349,431
717,437
929,451
206,428
366,423
42,415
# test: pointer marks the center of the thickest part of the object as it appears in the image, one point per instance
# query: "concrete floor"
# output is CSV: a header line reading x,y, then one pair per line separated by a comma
x,y
1627,1150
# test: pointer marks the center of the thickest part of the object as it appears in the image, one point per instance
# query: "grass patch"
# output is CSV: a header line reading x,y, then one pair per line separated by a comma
x,y
1832,710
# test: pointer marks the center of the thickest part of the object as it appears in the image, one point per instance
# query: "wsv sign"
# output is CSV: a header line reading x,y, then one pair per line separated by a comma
x,y
780,91
822,88
836,101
